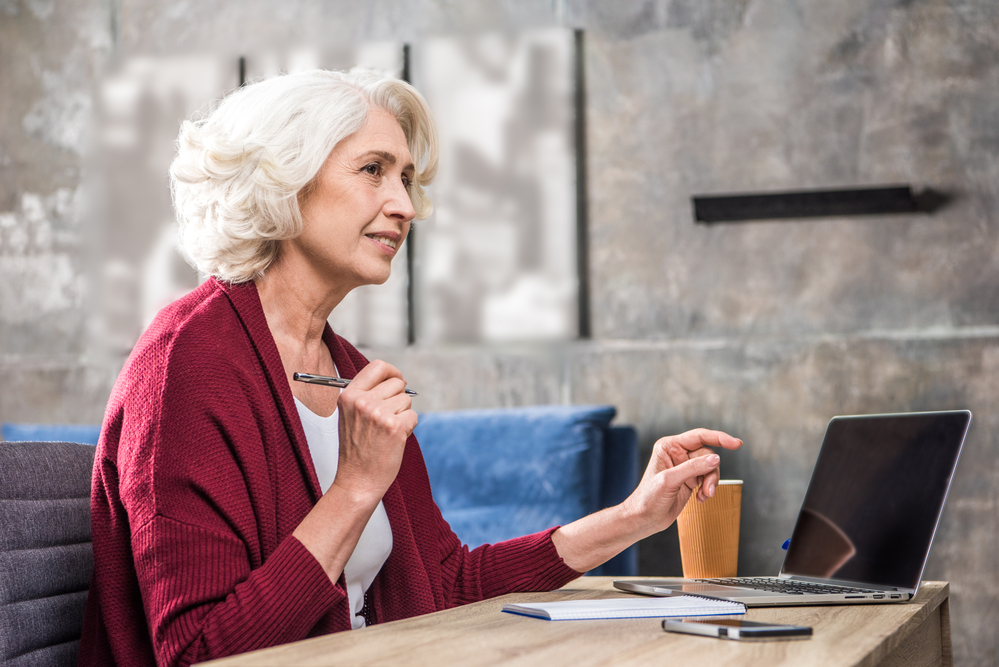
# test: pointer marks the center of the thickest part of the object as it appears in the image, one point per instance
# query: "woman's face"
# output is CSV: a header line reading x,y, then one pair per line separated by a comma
x,y
358,215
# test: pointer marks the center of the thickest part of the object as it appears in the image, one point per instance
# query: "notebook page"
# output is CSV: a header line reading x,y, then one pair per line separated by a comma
x,y
637,607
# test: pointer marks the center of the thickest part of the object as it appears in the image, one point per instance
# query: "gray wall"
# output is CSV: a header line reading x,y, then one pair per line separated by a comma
x,y
763,329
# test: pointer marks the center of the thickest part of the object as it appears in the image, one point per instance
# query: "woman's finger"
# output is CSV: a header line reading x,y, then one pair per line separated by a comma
x,y
708,482
702,437
399,403
374,374
708,485
388,388
689,473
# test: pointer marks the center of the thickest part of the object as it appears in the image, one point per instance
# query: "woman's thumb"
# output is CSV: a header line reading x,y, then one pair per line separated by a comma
x,y
699,466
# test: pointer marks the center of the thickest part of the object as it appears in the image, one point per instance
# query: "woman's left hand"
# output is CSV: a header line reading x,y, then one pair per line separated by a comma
x,y
679,465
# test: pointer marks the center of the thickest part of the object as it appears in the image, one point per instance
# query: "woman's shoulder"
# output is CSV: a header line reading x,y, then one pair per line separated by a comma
x,y
194,372
201,311
198,336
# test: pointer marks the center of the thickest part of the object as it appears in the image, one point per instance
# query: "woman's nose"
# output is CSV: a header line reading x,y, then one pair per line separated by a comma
x,y
399,204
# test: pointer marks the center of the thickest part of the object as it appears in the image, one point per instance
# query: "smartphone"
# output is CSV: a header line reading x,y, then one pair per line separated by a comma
x,y
737,629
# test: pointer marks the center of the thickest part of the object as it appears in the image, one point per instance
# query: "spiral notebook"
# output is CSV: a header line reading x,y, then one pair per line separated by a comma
x,y
636,607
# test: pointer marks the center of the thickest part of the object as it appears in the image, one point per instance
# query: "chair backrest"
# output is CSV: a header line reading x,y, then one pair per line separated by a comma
x,y
501,473
46,556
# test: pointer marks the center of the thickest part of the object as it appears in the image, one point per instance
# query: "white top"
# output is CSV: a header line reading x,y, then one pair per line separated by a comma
x,y
375,544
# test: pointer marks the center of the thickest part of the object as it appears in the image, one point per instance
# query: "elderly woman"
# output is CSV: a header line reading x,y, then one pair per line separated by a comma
x,y
235,509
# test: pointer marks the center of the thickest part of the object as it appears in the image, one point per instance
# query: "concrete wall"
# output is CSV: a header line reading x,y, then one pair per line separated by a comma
x,y
763,329
49,59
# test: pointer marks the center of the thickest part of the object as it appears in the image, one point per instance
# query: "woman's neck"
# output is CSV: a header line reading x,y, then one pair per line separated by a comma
x,y
299,300
296,312
293,310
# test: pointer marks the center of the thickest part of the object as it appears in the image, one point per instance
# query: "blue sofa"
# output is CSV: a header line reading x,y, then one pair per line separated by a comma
x,y
506,472
86,434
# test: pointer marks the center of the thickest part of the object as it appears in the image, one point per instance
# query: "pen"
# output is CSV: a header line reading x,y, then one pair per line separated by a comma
x,y
332,382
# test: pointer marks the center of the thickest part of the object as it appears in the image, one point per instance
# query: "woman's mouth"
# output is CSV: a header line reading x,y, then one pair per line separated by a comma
x,y
385,240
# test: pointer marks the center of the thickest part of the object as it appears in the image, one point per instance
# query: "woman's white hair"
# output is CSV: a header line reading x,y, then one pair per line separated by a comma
x,y
240,171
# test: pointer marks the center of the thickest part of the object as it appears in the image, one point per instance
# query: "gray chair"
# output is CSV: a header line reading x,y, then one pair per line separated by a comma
x,y
46,555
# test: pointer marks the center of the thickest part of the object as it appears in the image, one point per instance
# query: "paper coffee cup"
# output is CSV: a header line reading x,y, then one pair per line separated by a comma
x,y
709,533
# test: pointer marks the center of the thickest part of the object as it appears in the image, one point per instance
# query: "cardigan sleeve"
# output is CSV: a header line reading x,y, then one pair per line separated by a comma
x,y
213,490
204,601
528,563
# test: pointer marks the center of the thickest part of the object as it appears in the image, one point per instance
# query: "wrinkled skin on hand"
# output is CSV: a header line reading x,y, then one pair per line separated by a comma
x,y
680,464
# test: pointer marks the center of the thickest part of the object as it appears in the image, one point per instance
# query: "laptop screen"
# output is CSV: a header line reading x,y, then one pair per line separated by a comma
x,y
875,497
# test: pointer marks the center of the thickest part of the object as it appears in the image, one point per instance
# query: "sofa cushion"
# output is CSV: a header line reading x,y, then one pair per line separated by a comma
x,y
501,473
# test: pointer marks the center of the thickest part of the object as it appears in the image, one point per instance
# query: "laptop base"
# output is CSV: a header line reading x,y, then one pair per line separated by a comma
x,y
753,597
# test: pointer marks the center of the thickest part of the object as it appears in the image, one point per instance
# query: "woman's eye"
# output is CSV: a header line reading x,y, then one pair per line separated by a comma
x,y
406,182
372,169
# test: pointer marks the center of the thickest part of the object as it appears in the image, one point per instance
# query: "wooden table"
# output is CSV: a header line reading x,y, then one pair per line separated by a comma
x,y
913,634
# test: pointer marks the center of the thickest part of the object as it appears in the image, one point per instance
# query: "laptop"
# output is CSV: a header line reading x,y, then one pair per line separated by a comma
x,y
866,524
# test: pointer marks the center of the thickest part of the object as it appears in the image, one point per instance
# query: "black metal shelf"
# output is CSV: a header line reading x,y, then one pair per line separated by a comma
x,y
884,200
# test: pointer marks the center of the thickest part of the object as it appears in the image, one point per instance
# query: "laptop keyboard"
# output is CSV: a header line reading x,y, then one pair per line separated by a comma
x,y
775,585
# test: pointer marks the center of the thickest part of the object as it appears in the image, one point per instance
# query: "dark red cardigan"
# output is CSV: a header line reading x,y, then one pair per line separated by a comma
x,y
202,474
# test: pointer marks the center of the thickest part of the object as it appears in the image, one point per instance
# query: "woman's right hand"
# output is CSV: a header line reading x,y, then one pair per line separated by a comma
x,y
376,419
